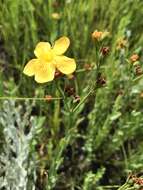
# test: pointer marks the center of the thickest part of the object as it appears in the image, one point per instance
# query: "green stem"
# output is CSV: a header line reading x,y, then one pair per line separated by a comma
x,y
63,97
83,100
125,157
123,187
97,68
27,98
84,70
109,186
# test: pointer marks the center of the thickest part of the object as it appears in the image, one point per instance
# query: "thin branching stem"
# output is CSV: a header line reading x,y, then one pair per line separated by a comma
x,y
28,98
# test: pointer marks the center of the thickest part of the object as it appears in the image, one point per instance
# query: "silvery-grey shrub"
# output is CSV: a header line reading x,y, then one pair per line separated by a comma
x,y
17,162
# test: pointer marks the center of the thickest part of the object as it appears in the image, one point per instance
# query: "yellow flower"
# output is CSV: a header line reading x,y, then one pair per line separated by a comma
x,y
99,35
121,43
56,16
49,59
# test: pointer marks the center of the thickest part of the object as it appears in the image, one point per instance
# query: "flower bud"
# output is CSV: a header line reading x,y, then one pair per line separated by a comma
x,y
99,35
56,16
134,58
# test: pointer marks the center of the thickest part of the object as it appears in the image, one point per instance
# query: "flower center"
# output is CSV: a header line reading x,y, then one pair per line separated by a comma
x,y
49,56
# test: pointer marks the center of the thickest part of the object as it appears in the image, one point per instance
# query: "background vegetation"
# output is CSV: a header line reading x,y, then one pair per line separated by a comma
x,y
45,146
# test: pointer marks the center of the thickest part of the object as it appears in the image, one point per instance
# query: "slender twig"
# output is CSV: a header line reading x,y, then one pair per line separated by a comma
x,y
124,187
27,98
83,100
137,78
63,97
84,70
110,186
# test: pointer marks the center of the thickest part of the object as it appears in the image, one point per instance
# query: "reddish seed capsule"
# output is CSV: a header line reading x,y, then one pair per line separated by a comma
x,y
101,80
70,91
76,99
138,70
105,50
88,67
137,180
58,74
48,98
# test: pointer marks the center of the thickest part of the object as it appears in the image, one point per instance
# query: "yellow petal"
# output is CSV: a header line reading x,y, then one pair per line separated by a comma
x,y
44,72
61,45
29,69
65,64
42,49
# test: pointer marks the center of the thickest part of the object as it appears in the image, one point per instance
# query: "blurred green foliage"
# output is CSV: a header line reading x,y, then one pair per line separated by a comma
x,y
45,146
